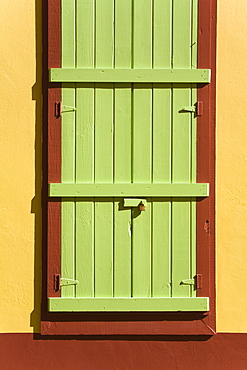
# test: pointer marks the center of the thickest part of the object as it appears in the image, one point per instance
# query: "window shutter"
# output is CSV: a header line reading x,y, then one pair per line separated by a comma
x,y
128,108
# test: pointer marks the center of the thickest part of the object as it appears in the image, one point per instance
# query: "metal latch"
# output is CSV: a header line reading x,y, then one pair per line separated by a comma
x,y
59,282
197,108
196,281
59,109
131,202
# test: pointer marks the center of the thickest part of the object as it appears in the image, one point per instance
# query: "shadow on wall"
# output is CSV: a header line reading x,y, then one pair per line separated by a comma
x,y
36,203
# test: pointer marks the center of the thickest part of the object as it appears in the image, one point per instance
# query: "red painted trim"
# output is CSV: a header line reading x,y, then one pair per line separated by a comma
x,y
143,323
25,351
206,156
54,149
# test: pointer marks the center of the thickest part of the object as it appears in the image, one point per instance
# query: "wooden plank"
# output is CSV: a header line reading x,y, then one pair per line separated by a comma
x,y
122,149
84,251
104,95
194,56
161,248
129,190
142,148
123,34
104,34
162,33
161,212
122,250
57,304
68,245
182,34
103,248
104,133
84,146
85,33
68,148
181,239
130,75
181,153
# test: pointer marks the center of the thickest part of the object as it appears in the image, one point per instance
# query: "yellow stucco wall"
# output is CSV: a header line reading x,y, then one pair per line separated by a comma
x,y
232,166
18,180
20,165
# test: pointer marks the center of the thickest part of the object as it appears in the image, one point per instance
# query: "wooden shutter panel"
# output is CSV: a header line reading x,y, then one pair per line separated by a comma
x,y
128,140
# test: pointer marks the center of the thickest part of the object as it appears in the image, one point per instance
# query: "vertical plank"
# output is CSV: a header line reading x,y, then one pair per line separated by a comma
x,y
181,34
123,33
103,248
181,150
142,148
104,131
104,34
85,33
162,33
161,218
122,149
68,245
104,127
122,250
85,247
161,244
85,150
193,140
68,147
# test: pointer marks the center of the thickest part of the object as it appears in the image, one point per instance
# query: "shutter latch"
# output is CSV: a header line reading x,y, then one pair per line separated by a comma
x,y
59,282
140,203
197,108
196,281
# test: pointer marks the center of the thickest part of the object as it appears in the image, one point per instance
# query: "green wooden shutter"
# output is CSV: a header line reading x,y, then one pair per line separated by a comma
x,y
129,134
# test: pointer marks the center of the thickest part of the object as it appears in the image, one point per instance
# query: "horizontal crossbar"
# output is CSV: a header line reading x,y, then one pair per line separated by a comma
x,y
130,75
128,190
128,304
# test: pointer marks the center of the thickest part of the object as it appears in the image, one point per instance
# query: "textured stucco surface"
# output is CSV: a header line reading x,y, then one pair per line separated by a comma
x,y
17,163
20,165
231,166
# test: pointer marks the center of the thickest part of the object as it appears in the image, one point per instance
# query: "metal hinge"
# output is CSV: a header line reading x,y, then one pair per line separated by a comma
x,y
59,109
196,281
59,282
197,108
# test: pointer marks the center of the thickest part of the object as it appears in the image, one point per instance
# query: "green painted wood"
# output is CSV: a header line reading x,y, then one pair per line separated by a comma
x,y
68,245
104,131
122,250
68,149
123,71
181,149
85,12
122,149
130,75
129,190
84,148
84,251
103,273
142,148
128,304
161,247
162,100
104,34
123,34
194,34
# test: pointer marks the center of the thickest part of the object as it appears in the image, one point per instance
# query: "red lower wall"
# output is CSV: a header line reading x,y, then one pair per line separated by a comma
x,y
28,351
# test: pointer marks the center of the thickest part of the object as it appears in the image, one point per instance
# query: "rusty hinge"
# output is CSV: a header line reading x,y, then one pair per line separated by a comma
x,y
59,282
196,281
59,109
197,108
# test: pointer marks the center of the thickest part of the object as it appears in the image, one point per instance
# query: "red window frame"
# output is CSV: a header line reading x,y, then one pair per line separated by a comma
x,y
141,323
